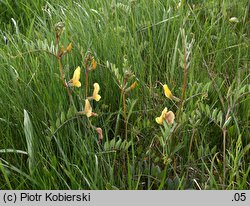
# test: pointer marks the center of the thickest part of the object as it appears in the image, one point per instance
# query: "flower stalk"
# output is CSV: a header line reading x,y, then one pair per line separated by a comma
x,y
125,112
59,27
185,63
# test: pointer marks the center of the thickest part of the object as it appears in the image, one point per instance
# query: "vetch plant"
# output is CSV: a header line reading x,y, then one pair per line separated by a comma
x,y
193,133
90,64
122,81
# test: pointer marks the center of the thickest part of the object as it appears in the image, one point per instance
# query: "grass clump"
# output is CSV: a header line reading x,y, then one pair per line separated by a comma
x,y
125,95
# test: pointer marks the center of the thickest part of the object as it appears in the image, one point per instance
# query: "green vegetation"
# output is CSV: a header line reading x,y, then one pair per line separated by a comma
x,y
200,49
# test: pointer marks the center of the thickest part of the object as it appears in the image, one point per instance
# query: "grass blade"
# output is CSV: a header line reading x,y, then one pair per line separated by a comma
x,y
28,131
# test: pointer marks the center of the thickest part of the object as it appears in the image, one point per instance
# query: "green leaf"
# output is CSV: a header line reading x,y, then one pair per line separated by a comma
x,y
208,112
58,122
112,143
131,107
123,145
106,146
62,117
128,145
242,90
227,122
118,143
202,107
214,114
52,129
30,139
71,112
219,118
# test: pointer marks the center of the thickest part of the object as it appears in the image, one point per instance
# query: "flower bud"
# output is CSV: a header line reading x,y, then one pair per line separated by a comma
x,y
69,47
234,20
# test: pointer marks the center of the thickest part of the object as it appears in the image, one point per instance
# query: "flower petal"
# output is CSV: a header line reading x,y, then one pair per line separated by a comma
x,y
160,119
169,117
76,77
87,108
167,92
164,112
77,84
95,95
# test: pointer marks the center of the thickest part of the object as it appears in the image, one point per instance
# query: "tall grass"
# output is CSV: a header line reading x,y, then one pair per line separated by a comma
x,y
44,144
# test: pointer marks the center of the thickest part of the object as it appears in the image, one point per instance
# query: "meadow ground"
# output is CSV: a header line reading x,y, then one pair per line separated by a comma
x,y
117,94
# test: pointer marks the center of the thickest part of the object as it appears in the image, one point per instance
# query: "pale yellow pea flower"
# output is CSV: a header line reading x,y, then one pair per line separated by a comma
x,y
166,115
160,119
95,95
87,108
76,77
169,94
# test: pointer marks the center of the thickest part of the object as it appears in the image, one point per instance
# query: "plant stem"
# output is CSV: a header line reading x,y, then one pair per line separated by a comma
x,y
87,82
61,69
224,131
125,113
224,155
190,149
184,85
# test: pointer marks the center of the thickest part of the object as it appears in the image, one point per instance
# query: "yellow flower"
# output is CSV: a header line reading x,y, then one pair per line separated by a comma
x,y
95,95
167,92
93,63
160,119
87,108
76,76
166,115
